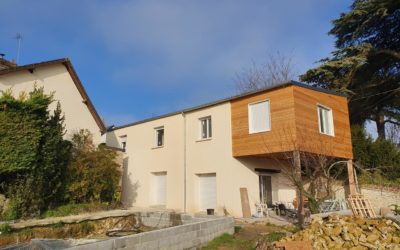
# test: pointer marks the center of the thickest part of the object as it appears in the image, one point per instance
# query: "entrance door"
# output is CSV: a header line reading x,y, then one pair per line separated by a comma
x,y
265,189
207,191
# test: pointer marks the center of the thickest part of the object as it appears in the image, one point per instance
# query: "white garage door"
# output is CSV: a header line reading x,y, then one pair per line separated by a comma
x,y
159,188
207,191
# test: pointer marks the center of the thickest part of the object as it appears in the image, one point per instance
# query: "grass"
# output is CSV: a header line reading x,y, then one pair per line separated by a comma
x,y
71,209
274,236
228,241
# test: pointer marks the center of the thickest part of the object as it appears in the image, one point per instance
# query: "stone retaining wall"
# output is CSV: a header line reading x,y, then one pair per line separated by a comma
x,y
378,197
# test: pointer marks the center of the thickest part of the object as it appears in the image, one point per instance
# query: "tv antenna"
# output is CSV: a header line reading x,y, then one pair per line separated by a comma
x,y
19,38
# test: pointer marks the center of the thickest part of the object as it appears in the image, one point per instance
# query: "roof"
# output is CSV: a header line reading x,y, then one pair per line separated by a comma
x,y
266,89
67,63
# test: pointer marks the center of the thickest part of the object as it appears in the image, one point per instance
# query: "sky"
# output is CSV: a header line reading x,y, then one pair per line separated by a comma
x,y
139,59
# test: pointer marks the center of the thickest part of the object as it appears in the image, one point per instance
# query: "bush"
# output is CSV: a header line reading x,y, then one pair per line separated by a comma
x,y
5,229
33,153
26,198
381,157
93,174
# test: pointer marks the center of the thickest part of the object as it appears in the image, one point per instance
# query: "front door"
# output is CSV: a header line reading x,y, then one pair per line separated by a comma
x,y
265,189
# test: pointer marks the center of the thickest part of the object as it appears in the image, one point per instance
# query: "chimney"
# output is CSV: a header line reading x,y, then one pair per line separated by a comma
x,y
5,64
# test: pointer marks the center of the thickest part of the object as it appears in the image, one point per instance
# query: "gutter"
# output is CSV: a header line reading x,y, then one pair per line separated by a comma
x,y
184,161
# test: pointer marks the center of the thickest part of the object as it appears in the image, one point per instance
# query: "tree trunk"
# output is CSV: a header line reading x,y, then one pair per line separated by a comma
x,y
380,124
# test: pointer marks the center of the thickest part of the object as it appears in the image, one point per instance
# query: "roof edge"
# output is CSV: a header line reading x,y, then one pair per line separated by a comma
x,y
224,100
74,76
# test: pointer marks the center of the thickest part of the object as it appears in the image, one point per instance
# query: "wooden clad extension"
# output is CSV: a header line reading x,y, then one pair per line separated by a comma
x,y
294,123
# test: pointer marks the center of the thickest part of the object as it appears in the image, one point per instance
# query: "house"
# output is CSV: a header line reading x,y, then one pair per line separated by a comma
x,y
199,158
60,78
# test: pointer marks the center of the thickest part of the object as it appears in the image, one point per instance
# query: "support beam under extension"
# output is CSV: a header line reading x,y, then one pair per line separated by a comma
x,y
350,172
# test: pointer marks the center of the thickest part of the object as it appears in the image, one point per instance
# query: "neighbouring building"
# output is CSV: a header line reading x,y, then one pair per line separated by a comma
x,y
200,157
60,78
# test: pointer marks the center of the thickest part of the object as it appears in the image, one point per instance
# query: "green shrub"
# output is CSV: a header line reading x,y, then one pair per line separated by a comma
x,y
33,153
93,174
5,229
11,213
381,158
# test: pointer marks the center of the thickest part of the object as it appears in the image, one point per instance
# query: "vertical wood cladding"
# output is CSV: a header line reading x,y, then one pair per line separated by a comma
x,y
294,124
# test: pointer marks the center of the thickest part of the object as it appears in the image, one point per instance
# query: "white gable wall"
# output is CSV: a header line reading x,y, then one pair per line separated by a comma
x,y
56,78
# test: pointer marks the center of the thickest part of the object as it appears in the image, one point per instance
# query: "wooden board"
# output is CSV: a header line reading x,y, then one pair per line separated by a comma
x,y
244,198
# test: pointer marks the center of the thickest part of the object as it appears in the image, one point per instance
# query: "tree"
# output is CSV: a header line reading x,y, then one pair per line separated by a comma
x,y
366,64
277,69
33,153
93,174
308,167
379,156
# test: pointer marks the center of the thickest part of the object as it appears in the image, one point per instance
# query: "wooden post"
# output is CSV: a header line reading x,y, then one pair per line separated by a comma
x,y
350,172
300,195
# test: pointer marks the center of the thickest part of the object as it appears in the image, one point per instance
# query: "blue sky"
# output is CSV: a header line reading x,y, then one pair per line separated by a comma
x,y
138,59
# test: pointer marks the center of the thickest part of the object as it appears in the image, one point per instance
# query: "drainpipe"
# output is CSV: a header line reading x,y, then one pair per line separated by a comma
x,y
184,161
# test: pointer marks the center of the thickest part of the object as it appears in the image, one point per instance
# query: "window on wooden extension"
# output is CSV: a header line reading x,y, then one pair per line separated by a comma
x,y
159,136
259,117
205,128
325,120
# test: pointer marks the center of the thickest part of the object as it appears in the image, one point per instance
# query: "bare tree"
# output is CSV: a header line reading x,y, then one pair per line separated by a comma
x,y
307,163
277,69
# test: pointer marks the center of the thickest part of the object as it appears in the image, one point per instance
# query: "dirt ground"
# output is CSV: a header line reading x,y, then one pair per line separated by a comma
x,y
249,235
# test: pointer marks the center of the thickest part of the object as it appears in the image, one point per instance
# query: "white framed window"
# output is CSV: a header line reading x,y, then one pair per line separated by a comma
x,y
159,136
259,117
205,128
325,120
123,140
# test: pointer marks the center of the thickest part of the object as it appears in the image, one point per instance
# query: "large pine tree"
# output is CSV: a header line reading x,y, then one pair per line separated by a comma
x,y
366,63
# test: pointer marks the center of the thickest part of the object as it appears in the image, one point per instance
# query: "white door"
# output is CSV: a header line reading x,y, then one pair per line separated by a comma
x,y
160,188
207,191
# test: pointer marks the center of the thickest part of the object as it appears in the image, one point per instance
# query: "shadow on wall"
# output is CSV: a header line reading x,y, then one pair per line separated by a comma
x,y
129,189
111,140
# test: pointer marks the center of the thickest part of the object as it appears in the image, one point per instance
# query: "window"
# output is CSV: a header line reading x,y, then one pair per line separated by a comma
x,y
159,136
325,120
123,142
259,117
205,128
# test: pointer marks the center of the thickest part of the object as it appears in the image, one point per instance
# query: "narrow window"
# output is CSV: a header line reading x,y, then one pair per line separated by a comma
x,y
123,142
159,136
325,120
259,117
205,128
